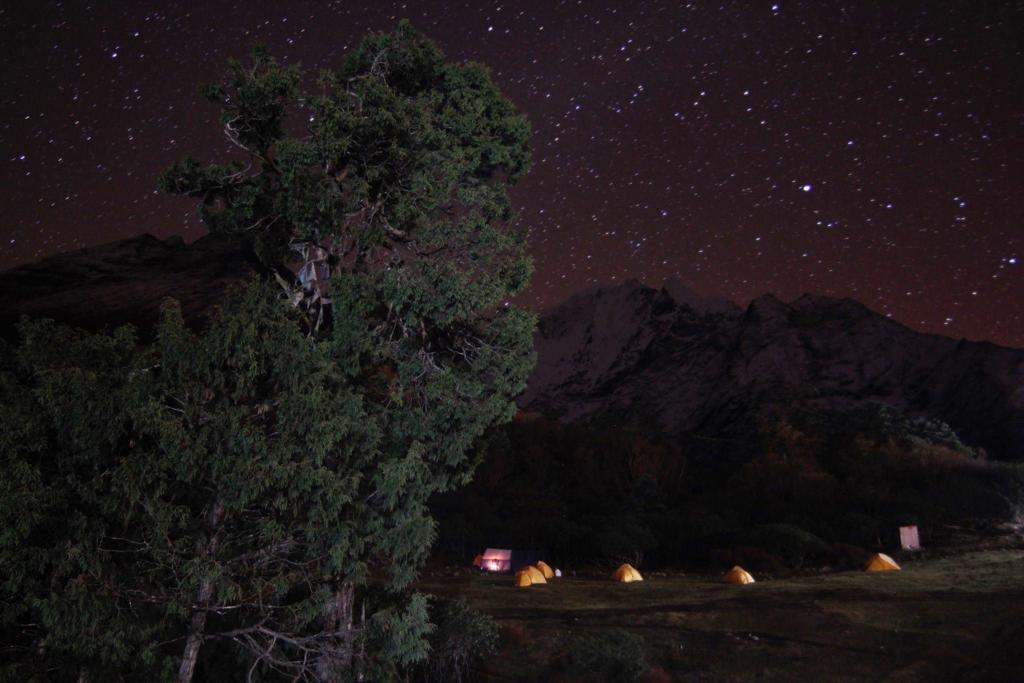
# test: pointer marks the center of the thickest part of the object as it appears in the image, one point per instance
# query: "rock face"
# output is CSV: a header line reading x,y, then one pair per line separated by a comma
x,y
680,364
125,281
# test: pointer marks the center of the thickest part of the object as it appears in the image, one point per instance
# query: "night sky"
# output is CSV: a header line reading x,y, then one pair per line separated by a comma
x,y
873,150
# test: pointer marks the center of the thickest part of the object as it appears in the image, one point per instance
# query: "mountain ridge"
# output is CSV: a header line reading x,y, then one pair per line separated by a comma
x,y
125,281
663,358
636,354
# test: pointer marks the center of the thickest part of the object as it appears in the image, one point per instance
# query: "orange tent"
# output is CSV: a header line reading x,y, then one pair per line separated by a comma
x,y
527,576
478,560
626,573
523,579
536,575
738,575
546,570
880,562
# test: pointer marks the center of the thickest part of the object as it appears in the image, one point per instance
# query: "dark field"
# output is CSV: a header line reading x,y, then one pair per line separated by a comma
x,y
955,616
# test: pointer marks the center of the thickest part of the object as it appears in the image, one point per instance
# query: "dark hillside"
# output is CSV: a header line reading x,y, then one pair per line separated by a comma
x,y
125,282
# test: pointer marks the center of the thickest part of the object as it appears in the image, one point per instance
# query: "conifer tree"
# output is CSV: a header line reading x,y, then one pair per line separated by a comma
x,y
262,483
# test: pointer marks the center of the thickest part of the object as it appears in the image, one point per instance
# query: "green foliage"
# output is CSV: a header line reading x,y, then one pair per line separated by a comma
x,y
261,484
462,638
397,638
612,655
62,394
403,171
222,459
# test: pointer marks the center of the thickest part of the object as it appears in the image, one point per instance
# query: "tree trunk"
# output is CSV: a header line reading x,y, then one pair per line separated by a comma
x,y
338,656
197,626
197,623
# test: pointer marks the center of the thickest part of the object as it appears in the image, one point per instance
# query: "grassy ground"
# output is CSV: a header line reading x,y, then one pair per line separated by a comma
x,y
958,616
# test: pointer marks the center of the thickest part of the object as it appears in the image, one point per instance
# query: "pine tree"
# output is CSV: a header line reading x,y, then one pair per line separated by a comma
x,y
263,482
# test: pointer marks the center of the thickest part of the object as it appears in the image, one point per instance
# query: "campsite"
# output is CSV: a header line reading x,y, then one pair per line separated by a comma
x,y
950,614
443,342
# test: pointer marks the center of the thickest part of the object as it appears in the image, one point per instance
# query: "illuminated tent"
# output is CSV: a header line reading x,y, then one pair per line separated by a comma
x,y
626,573
496,560
546,570
536,575
523,579
527,576
738,575
507,559
880,562
478,561
909,539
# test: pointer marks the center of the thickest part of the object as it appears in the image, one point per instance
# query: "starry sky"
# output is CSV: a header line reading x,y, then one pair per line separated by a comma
x,y
873,150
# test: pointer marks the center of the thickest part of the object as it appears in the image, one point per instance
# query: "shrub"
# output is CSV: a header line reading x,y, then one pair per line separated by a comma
x,y
846,556
614,655
624,540
462,637
857,528
788,541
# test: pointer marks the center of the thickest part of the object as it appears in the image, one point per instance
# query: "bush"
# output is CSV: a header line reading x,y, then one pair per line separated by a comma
x,y
614,655
857,528
788,541
462,637
624,540
846,556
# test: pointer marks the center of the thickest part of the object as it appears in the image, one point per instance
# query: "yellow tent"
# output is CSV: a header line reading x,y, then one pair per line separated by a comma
x,y
738,575
880,562
626,574
536,575
527,576
547,571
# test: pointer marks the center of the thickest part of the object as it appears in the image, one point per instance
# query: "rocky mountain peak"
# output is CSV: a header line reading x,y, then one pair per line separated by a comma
x,y
669,360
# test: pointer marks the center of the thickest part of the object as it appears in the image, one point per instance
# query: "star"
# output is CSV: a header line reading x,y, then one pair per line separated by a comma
x,y
645,131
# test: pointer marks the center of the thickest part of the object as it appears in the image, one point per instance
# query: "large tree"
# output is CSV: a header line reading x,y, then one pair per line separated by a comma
x,y
263,482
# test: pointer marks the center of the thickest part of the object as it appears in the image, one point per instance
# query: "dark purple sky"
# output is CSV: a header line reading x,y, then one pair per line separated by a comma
x,y
871,150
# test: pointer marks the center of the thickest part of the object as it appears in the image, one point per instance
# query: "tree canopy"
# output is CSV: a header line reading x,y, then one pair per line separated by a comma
x,y
252,495
399,182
